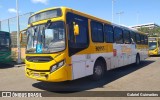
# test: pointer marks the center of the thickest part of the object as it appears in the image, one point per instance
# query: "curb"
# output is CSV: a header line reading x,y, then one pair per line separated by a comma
x,y
19,65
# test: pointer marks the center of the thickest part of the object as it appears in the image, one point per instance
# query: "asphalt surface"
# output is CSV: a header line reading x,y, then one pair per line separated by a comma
x,y
145,77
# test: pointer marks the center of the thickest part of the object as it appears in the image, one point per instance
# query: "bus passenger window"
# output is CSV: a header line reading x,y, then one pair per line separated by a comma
x,y
142,39
97,32
138,39
133,37
126,36
118,35
146,40
108,31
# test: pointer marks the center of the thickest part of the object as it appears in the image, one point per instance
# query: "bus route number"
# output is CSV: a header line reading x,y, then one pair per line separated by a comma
x,y
100,48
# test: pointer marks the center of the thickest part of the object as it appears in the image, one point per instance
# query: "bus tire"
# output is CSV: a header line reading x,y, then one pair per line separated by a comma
x,y
98,71
137,59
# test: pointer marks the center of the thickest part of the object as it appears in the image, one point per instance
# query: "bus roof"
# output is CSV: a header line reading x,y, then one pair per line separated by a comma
x,y
89,16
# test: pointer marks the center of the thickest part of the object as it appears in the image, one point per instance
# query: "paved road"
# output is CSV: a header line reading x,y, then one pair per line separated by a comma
x,y
145,77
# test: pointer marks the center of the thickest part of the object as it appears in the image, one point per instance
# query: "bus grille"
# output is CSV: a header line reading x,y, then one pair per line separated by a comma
x,y
39,59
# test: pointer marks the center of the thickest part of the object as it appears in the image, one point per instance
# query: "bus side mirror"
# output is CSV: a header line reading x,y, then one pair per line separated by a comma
x,y
76,29
49,22
132,41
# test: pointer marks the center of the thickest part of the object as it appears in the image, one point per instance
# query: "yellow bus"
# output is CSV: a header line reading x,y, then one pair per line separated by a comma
x,y
154,46
64,44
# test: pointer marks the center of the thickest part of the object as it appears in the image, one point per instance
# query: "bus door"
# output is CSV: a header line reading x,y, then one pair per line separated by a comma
x,y
77,43
127,48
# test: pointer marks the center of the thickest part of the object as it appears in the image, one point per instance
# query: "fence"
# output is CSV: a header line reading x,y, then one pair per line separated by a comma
x,y
10,25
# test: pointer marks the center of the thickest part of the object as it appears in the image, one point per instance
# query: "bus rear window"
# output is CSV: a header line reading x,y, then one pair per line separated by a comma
x,y
45,15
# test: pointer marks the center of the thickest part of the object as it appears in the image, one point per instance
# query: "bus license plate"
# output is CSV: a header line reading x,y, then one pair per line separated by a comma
x,y
36,74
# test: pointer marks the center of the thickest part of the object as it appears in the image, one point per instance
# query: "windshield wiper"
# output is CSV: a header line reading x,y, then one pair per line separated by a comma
x,y
48,24
35,29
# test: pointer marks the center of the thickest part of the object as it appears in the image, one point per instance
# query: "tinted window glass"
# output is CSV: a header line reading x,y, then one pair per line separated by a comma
x,y
118,35
97,32
126,36
142,39
133,37
82,37
108,31
81,41
138,39
146,40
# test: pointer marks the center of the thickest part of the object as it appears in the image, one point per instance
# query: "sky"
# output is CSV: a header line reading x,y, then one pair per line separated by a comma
x,y
134,11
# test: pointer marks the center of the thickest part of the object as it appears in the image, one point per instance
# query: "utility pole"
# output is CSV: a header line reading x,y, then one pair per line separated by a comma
x,y
113,10
119,14
0,25
137,18
18,30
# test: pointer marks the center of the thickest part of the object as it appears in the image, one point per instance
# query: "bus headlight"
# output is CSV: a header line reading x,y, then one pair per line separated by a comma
x,y
57,66
156,50
53,68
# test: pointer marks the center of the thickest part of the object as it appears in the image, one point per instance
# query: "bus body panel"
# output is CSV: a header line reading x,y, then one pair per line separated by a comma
x,y
5,51
82,63
156,50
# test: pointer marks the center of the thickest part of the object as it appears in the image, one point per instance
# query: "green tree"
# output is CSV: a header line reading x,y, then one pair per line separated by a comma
x,y
151,31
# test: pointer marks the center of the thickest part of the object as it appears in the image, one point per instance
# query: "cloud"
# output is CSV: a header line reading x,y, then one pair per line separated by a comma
x,y
12,10
1,6
40,1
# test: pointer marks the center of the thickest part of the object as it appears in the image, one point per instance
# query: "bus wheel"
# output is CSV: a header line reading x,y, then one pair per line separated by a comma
x,y
137,60
98,71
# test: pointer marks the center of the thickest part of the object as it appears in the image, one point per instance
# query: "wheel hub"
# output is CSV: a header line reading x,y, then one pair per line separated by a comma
x,y
98,70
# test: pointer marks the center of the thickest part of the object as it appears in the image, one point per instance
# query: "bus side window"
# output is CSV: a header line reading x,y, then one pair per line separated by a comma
x,y
118,35
126,36
133,37
97,32
82,38
78,42
146,40
109,34
142,39
138,39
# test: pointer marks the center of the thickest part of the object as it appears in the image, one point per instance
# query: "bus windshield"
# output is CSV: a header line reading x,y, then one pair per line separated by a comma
x,y
152,45
4,43
42,39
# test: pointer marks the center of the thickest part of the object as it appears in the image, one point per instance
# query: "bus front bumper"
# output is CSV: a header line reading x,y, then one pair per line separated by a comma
x,y
153,52
57,76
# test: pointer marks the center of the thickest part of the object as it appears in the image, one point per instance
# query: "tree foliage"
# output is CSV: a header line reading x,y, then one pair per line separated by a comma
x,y
150,31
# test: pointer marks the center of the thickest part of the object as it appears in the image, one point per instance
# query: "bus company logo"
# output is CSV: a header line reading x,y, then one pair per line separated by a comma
x,y
6,94
125,49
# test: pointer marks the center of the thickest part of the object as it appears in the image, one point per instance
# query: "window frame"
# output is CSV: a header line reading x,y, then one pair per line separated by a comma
x,y
129,38
146,39
74,47
115,38
77,19
142,39
106,33
138,41
133,36
91,25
